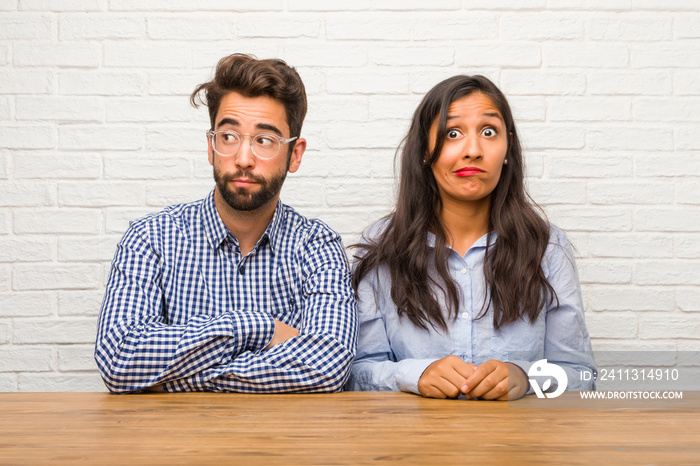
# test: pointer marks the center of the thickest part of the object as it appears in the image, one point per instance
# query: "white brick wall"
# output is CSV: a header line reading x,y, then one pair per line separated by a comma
x,y
95,129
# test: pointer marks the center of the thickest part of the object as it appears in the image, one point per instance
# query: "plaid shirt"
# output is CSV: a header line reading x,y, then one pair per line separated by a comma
x,y
183,308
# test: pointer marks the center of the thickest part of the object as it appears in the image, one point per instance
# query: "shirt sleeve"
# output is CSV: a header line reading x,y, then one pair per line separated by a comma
x,y
319,358
136,348
376,367
567,342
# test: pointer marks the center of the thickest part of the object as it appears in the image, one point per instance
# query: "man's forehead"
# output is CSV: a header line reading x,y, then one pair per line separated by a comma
x,y
262,111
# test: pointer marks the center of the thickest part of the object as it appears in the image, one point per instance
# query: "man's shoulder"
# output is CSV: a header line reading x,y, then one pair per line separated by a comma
x,y
176,215
299,224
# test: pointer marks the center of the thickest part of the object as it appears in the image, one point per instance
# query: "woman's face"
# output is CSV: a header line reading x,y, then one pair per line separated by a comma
x,y
473,152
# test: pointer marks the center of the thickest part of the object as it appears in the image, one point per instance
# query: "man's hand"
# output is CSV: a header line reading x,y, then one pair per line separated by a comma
x,y
444,377
283,332
491,381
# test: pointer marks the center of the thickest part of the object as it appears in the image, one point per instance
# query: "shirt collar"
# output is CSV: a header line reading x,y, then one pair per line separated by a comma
x,y
480,243
217,232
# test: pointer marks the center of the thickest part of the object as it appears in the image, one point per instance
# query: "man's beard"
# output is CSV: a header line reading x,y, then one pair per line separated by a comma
x,y
239,198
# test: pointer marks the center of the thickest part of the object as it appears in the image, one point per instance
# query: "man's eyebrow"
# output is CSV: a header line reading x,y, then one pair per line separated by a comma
x,y
260,126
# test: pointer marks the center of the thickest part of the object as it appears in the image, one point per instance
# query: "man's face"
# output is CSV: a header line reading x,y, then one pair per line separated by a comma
x,y
244,181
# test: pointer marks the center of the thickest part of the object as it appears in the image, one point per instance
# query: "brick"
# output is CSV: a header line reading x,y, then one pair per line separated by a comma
x,y
666,109
413,5
8,5
687,246
591,5
176,83
688,138
79,55
688,192
45,276
175,138
57,221
585,54
4,54
26,82
384,136
686,82
629,82
206,55
664,54
679,5
63,5
191,27
27,249
616,192
96,137
367,82
675,164
453,27
360,26
76,358
594,219
629,138
549,136
146,54
187,5
157,109
5,333
86,26
541,26
299,192
528,109
5,108
589,108
82,194
86,249
504,5
612,324
401,56
333,108
604,271
3,167
54,165
26,359
101,83
633,245
117,219
667,219
340,164
85,109
558,192
687,26
348,193
80,302
268,26
424,79
29,26
27,304
631,298
23,194
4,277
28,137
666,272
666,326
5,219
391,107
516,54
534,165
537,82
151,166
688,299
331,5
631,26
60,382
162,194
303,53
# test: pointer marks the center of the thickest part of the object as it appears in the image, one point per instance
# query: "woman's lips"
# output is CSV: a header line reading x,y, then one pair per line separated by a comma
x,y
468,171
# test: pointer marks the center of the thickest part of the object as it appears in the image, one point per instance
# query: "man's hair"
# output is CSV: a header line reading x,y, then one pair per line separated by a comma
x,y
251,77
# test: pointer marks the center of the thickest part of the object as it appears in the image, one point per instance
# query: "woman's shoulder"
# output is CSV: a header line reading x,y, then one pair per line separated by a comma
x,y
376,231
559,245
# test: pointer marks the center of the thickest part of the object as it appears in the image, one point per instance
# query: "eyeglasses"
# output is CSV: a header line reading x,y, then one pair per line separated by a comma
x,y
264,145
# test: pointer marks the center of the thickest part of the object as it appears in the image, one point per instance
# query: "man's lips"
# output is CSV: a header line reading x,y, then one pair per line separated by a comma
x,y
468,171
243,182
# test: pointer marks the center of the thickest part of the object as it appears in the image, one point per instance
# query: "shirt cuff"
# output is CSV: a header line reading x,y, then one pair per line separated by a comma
x,y
409,373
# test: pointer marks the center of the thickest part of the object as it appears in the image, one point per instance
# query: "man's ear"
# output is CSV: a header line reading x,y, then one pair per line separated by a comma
x,y
297,153
210,151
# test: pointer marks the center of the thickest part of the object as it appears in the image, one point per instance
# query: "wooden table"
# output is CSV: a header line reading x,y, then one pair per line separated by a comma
x,y
344,428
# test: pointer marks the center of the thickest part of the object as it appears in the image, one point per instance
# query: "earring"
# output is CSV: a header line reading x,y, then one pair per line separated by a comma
x,y
505,162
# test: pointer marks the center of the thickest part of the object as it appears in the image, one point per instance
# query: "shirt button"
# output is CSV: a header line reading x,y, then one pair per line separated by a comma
x,y
464,271
241,269
465,315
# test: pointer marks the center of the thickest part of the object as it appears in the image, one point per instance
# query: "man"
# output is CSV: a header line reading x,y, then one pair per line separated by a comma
x,y
236,292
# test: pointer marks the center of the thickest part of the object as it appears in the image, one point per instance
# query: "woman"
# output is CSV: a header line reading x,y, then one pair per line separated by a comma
x,y
465,286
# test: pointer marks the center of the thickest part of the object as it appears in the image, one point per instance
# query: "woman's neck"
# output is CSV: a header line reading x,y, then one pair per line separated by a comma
x,y
465,223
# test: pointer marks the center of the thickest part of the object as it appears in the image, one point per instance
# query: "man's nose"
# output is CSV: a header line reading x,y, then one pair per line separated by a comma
x,y
245,157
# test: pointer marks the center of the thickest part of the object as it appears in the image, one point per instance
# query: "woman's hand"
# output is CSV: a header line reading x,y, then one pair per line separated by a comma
x,y
445,377
496,380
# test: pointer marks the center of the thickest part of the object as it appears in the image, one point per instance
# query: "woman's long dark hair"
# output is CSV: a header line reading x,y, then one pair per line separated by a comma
x,y
516,285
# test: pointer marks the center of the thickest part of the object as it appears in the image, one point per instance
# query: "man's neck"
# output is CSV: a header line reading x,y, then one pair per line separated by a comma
x,y
246,226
